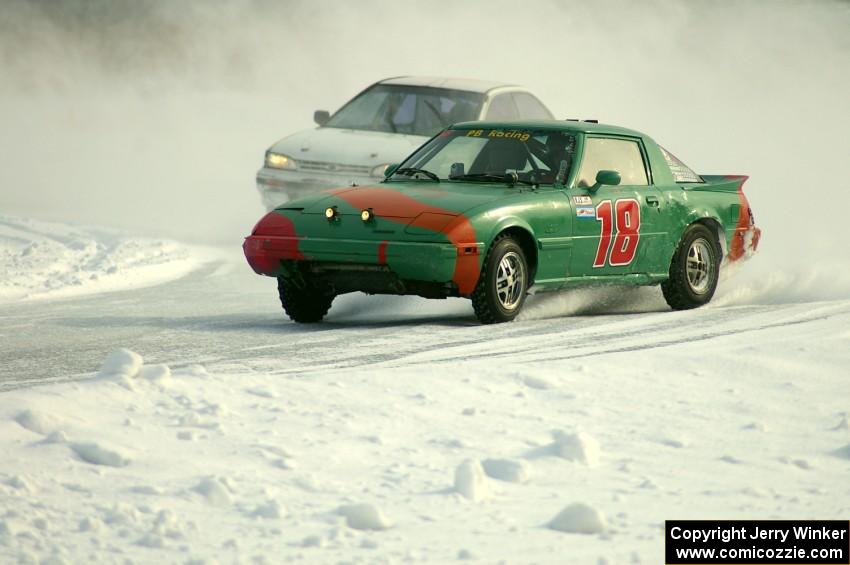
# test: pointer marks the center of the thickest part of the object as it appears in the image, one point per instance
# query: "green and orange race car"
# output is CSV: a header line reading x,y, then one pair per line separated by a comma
x,y
493,211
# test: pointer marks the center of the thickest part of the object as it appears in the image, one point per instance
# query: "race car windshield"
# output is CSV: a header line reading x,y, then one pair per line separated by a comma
x,y
492,155
411,110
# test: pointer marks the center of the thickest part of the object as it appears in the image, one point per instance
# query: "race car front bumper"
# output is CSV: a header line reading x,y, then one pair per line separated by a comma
x,y
423,261
394,267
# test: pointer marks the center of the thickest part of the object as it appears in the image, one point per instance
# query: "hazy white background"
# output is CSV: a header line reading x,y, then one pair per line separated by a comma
x,y
155,115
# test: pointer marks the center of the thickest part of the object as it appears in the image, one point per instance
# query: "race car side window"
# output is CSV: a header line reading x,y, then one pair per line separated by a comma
x,y
681,172
621,155
502,108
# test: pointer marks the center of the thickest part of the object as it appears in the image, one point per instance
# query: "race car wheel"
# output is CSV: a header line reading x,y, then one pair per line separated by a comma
x,y
303,304
694,269
502,287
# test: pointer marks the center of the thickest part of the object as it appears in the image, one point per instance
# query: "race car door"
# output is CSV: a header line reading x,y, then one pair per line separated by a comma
x,y
615,224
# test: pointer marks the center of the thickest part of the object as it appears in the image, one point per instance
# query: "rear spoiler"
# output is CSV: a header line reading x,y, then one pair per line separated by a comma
x,y
721,183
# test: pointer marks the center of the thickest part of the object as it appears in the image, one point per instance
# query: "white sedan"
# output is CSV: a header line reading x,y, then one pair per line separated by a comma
x,y
383,125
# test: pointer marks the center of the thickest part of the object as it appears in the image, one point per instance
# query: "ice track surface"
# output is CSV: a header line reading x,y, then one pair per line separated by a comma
x,y
225,317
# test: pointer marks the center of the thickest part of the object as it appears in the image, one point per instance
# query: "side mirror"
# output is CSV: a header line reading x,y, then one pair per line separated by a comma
x,y
610,178
388,172
321,117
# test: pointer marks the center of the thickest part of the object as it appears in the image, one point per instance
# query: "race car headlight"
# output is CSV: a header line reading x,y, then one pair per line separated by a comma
x,y
379,170
280,161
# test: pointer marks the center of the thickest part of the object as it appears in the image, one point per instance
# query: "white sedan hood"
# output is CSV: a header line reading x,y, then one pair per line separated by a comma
x,y
349,147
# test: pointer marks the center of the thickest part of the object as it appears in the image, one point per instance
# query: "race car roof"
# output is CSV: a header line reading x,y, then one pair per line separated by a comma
x,y
560,125
466,84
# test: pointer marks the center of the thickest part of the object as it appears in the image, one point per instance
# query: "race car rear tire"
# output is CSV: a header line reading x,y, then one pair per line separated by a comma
x,y
504,281
303,304
694,270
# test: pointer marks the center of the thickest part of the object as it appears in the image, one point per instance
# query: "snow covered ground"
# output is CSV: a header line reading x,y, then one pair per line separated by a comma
x,y
402,431
48,259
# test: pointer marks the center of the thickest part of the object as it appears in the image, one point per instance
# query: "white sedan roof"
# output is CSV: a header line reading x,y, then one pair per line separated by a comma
x,y
467,84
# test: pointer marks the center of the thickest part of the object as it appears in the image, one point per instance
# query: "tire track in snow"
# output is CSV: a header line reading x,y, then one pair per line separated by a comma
x,y
593,337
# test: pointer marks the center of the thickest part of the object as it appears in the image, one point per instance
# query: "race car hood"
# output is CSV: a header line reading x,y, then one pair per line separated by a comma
x,y
406,200
348,147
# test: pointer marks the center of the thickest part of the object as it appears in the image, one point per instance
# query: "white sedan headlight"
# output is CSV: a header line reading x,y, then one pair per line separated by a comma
x,y
280,161
379,170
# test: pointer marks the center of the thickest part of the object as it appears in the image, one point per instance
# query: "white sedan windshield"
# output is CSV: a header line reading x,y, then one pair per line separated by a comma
x,y
410,110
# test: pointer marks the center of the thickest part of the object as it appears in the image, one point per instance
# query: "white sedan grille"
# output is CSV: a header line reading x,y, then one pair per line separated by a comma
x,y
335,168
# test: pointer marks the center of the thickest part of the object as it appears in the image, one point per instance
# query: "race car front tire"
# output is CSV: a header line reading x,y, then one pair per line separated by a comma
x,y
504,281
694,269
303,304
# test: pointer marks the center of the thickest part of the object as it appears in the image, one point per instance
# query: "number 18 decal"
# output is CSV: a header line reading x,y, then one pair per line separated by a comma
x,y
625,223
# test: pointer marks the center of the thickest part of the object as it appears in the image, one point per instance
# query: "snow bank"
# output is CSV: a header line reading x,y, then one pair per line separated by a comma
x,y
121,363
579,518
364,517
97,454
579,446
271,510
470,480
214,491
49,260
509,470
37,422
